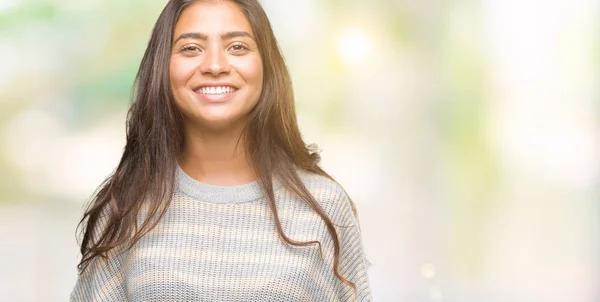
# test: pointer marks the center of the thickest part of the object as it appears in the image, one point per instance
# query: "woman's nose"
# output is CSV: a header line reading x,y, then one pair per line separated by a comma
x,y
215,62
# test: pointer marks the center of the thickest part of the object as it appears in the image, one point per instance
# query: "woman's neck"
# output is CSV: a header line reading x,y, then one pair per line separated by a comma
x,y
216,158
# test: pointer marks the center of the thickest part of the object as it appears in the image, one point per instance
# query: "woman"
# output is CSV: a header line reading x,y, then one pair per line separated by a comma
x,y
217,197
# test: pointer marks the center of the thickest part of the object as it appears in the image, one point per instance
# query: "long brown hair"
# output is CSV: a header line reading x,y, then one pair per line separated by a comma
x,y
147,168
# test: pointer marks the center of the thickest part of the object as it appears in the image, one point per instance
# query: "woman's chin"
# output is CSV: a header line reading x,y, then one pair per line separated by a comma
x,y
220,123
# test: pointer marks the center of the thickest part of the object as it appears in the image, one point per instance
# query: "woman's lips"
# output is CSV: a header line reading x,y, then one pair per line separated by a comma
x,y
215,98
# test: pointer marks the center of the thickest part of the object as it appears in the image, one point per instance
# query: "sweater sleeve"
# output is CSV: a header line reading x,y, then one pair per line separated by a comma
x,y
103,279
353,263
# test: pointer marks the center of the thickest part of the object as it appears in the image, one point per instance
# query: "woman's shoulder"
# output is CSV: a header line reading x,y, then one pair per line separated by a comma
x,y
330,195
318,182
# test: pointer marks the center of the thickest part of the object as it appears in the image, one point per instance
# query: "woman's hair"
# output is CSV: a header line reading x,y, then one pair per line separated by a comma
x,y
147,170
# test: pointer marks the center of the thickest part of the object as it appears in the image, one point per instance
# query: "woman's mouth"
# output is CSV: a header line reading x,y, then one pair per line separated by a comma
x,y
216,89
216,93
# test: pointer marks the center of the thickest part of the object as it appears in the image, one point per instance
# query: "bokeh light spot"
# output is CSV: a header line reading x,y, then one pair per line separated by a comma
x,y
354,46
428,270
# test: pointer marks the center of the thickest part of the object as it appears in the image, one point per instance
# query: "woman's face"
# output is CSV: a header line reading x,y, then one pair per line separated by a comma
x,y
215,71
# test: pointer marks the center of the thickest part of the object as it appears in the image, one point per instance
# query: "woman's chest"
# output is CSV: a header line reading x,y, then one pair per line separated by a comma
x,y
218,261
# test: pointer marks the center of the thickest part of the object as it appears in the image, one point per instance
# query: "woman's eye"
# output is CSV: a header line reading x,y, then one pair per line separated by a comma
x,y
238,47
188,48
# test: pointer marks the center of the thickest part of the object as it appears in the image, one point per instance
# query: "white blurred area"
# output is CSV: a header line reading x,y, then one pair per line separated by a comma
x,y
471,148
62,162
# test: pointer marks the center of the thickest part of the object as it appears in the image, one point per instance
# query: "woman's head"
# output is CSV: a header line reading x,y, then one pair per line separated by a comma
x,y
216,72
197,45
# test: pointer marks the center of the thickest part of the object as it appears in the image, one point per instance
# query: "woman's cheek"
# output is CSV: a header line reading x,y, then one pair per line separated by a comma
x,y
248,68
182,69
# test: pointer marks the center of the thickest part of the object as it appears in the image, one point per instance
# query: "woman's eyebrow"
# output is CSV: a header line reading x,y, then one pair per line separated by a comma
x,y
236,34
226,36
197,36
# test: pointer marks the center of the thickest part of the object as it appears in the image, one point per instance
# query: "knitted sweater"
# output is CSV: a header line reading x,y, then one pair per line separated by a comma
x,y
220,243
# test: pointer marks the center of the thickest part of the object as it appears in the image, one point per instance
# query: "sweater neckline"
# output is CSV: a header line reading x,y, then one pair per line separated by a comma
x,y
219,194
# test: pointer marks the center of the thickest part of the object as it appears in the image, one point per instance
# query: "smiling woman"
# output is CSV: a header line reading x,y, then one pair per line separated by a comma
x,y
217,197
216,71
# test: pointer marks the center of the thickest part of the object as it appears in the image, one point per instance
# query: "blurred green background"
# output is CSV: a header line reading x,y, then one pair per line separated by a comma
x,y
467,132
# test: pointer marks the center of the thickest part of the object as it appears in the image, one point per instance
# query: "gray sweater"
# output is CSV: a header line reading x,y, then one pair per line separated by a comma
x,y
220,243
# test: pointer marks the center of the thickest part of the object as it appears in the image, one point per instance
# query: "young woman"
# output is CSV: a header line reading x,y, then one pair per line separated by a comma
x,y
217,197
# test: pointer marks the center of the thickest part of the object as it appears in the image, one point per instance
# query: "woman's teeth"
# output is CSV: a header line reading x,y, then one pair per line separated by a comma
x,y
216,90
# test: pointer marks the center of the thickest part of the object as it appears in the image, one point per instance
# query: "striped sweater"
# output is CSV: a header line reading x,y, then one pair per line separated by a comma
x,y
220,243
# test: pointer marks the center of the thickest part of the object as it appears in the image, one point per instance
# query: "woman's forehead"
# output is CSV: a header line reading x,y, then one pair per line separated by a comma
x,y
212,18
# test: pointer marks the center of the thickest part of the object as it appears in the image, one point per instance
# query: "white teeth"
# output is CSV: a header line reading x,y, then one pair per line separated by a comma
x,y
216,90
